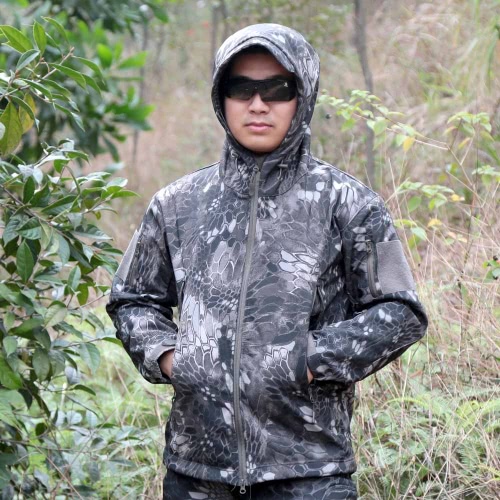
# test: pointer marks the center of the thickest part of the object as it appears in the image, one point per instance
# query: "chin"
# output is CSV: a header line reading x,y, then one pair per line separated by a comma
x,y
260,149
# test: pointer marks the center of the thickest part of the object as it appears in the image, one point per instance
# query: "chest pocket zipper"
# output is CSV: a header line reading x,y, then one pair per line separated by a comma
x,y
372,268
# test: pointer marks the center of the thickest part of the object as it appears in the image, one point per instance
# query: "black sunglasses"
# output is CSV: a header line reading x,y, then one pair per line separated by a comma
x,y
273,89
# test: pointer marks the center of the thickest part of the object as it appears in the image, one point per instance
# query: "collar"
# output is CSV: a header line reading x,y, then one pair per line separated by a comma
x,y
279,171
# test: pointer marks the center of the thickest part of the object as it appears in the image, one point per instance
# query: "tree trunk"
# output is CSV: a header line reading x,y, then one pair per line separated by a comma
x,y
213,38
360,41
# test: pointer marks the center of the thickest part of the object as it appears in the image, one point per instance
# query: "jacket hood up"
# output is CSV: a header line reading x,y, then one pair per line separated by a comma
x,y
282,167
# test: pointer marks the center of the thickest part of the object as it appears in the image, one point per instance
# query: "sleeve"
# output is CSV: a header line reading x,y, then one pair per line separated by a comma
x,y
388,316
143,294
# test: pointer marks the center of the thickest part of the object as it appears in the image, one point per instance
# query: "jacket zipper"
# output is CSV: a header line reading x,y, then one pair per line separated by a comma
x,y
239,325
371,268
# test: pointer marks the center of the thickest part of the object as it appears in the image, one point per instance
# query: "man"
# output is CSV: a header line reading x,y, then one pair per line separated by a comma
x,y
291,286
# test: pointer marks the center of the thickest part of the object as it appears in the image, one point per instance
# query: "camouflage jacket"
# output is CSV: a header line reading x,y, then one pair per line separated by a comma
x,y
274,269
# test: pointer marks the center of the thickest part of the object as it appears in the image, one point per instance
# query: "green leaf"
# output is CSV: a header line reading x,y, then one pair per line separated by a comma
x,y
112,340
56,313
16,39
39,36
59,27
7,416
90,64
10,231
8,320
31,230
66,327
74,279
27,58
105,55
29,189
90,355
91,231
159,12
10,345
47,235
91,83
94,320
27,326
380,126
40,88
414,202
124,193
64,250
60,205
75,75
41,363
9,378
57,361
27,109
348,124
84,388
24,262
14,130
78,120
419,233
136,61
62,92
82,294
43,338
9,295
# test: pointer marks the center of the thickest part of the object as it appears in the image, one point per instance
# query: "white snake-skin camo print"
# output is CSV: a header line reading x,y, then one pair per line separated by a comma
x,y
314,298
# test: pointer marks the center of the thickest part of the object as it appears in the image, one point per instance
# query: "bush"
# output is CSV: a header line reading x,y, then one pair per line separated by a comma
x,y
54,259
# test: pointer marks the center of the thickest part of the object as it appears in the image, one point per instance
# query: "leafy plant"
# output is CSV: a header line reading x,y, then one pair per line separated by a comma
x,y
52,258
93,93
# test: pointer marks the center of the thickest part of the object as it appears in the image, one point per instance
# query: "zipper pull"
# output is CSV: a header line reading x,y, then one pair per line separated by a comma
x,y
243,489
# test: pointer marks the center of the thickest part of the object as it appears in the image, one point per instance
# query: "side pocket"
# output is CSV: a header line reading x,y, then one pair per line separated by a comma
x,y
177,349
177,352
318,307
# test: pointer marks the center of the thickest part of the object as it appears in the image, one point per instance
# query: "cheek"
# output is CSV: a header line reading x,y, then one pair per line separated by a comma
x,y
287,112
231,112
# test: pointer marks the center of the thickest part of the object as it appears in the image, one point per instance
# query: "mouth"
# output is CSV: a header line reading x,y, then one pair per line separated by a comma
x,y
258,126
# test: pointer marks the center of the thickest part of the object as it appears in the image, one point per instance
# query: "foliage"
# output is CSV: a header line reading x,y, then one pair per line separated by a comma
x,y
102,100
423,430
423,443
474,188
52,257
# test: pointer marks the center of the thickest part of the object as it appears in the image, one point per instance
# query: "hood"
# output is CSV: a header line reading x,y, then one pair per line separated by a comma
x,y
296,55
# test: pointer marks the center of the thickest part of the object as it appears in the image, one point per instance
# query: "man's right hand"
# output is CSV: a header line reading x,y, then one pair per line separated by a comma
x,y
165,362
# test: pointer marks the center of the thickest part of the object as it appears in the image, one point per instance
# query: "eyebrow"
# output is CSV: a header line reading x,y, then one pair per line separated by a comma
x,y
246,78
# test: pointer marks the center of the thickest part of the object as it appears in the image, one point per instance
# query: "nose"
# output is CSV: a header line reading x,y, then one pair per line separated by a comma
x,y
257,105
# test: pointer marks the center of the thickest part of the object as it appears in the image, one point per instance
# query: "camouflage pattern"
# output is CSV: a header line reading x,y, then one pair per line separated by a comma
x,y
302,269
177,486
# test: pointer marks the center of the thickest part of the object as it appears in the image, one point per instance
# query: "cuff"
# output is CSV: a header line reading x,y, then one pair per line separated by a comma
x,y
156,376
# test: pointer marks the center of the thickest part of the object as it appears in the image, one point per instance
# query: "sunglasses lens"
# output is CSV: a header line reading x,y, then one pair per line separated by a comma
x,y
278,90
273,89
237,89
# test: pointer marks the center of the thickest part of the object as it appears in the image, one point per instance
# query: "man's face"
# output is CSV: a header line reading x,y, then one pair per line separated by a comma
x,y
257,125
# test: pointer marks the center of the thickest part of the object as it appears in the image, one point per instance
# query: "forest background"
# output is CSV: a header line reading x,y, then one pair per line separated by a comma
x,y
95,92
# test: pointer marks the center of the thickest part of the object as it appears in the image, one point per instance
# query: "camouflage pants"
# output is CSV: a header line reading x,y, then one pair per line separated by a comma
x,y
180,487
